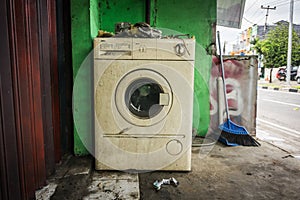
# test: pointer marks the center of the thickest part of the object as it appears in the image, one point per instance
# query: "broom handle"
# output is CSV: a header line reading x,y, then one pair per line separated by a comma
x,y
223,76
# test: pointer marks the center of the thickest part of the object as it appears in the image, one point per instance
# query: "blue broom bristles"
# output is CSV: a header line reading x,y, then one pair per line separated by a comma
x,y
234,135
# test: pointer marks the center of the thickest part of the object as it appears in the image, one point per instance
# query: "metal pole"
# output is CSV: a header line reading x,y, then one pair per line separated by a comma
x,y
289,53
267,14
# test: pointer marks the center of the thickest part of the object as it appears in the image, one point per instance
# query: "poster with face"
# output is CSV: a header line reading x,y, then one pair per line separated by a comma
x,y
241,75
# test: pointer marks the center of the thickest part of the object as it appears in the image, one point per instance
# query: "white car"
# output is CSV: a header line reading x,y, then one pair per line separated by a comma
x,y
298,75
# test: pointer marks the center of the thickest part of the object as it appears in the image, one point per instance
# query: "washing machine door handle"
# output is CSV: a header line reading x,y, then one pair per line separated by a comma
x,y
164,99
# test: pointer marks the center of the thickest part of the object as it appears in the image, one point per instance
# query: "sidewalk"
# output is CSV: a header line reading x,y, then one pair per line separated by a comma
x,y
265,172
279,85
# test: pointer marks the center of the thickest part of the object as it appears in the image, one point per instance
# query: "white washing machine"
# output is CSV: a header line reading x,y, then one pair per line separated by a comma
x,y
143,103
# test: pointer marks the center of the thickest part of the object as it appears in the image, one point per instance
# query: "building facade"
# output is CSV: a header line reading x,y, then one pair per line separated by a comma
x,y
243,44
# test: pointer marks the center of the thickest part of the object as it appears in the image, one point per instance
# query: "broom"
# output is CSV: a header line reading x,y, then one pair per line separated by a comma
x,y
232,134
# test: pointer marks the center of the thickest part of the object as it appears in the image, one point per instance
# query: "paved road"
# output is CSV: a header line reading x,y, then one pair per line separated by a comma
x,y
278,119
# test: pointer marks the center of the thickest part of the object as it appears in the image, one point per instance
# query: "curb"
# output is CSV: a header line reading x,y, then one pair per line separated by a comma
x,y
293,90
280,89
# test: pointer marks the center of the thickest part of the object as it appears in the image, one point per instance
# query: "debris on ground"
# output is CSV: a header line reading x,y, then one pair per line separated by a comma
x,y
157,184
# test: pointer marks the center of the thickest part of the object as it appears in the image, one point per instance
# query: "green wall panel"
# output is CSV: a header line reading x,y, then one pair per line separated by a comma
x,y
94,17
84,26
195,17
114,11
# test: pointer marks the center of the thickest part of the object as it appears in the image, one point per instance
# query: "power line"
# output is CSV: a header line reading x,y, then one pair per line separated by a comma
x,y
257,16
248,20
286,3
259,20
254,15
251,6
256,11
275,2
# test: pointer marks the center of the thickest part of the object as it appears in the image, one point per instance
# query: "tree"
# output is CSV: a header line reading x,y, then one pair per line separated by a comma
x,y
274,47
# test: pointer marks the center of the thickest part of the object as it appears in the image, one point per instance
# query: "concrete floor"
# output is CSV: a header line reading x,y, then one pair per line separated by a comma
x,y
264,172
76,179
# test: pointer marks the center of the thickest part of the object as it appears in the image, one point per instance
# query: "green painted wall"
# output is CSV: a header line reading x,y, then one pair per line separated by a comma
x,y
114,11
84,27
196,17
94,17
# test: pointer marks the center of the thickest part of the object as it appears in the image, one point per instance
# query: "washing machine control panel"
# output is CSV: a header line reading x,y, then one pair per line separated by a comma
x,y
113,48
144,49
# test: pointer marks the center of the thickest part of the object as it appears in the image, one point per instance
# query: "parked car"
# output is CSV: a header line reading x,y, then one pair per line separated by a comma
x,y
281,74
298,76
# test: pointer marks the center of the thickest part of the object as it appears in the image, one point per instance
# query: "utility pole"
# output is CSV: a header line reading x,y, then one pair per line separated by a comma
x,y
267,14
289,53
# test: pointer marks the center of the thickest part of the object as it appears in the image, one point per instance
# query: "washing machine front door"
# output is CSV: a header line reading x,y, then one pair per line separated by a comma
x,y
143,97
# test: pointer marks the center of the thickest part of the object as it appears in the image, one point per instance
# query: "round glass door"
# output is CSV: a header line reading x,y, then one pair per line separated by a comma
x,y
142,98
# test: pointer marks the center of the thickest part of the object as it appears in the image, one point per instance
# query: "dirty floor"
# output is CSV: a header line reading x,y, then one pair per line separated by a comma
x,y
265,172
75,179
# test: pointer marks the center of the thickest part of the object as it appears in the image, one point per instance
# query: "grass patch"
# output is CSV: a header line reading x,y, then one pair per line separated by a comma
x,y
296,87
275,85
271,85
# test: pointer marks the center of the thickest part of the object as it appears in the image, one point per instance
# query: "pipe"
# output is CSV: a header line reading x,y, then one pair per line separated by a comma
x,y
148,10
220,100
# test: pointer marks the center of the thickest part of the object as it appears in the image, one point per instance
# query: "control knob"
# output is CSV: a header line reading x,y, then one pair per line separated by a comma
x,y
180,49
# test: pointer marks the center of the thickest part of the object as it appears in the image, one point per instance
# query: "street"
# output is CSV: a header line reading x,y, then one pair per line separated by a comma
x,y
278,115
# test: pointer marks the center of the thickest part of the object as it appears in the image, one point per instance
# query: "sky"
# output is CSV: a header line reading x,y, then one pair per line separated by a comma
x,y
253,14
